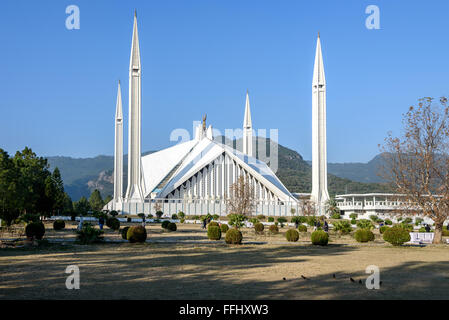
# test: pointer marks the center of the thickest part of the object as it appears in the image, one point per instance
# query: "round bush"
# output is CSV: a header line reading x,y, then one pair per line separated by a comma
x,y
270,219
302,228
320,237
335,216
224,228
258,227
292,235
363,235
125,233
261,217
396,235
274,229
445,233
35,229
383,229
214,232
113,223
172,226
233,236
388,222
136,234
213,223
165,224
59,225
406,226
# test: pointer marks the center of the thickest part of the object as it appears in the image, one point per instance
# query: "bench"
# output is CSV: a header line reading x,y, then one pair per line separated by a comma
x,y
421,237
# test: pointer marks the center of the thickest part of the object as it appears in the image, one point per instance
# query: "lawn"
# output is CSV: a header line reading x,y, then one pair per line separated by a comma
x,y
185,265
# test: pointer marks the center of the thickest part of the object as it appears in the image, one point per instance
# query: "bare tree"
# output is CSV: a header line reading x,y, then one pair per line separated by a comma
x,y
241,197
308,207
417,163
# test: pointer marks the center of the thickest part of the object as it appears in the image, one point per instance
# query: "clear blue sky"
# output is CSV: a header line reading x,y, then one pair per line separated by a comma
x,y
58,86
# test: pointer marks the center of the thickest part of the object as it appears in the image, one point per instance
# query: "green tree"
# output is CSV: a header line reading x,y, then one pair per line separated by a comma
x,y
82,206
59,196
68,205
107,199
95,200
10,189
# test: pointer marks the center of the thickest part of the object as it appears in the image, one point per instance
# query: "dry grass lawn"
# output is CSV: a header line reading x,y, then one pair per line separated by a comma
x,y
185,265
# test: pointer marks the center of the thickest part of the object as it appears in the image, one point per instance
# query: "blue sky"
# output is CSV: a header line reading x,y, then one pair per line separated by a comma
x,y
58,86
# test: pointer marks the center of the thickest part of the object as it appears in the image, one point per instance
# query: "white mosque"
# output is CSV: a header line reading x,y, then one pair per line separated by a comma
x,y
195,176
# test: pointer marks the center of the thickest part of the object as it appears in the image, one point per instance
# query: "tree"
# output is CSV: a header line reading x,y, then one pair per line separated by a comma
x,y
95,200
332,207
10,189
107,199
82,206
308,207
68,204
241,197
59,195
417,162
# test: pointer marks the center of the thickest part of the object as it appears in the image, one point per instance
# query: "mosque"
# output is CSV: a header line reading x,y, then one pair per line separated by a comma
x,y
196,176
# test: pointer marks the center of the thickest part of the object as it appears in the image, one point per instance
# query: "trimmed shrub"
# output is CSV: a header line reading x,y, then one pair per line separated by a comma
x,y
363,235
233,236
224,228
159,214
353,221
302,228
124,233
383,229
407,220
270,219
88,234
353,216
172,226
319,237
215,217
164,224
298,219
422,229
35,230
213,223
136,234
292,235
174,216
236,220
113,213
374,218
274,229
365,224
388,222
58,225
181,215
311,220
113,223
258,227
445,233
214,232
254,220
335,216
396,235
128,219
406,226
261,217
343,226
282,220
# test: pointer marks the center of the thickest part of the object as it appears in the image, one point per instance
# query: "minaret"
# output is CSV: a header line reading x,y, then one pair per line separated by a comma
x,y
118,149
134,190
247,129
319,154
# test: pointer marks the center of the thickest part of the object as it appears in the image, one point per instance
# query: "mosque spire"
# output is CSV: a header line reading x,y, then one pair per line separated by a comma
x,y
320,194
118,150
134,190
247,129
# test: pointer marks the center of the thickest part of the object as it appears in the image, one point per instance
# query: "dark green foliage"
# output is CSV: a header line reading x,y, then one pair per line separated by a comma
x,y
261,217
165,224
236,220
299,219
319,237
113,213
58,225
270,219
406,226
353,221
274,229
253,220
213,232
215,217
171,226
335,216
88,234
159,214
233,236
259,227
388,222
113,223
181,215
282,220
353,216
302,228
407,220
35,230
292,235
311,220
396,235
365,224
418,221
224,228
174,216
95,200
383,229
373,218
422,229
136,234
124,233
363,235
30,217
343,226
